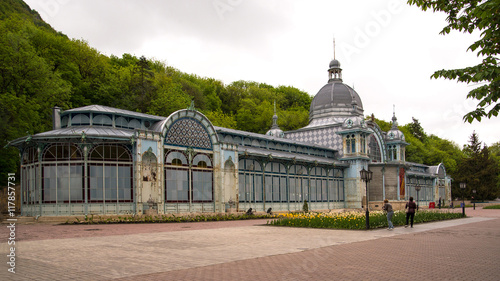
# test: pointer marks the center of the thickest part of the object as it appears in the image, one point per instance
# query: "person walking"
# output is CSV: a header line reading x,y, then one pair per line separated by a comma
x,y
410,211
390,212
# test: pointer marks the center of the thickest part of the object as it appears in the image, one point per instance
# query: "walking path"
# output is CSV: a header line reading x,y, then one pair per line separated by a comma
x,y
462,249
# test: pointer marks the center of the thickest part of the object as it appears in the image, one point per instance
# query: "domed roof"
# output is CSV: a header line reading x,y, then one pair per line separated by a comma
x,y
335,98
334,63
394,134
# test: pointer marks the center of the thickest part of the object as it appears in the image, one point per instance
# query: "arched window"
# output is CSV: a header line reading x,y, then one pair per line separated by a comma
x,y
134,124
80,119
202,159
110,174
102,120
116,153
176,177
353,144
64,122
362,144
176,158
188,183
202,175
62,174
350,144
394,152
374,150
121,122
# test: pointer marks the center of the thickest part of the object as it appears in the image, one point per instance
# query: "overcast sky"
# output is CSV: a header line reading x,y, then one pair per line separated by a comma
x,y
387,49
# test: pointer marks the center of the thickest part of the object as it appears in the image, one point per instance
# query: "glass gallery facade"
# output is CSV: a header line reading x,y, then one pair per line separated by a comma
x,y
102,160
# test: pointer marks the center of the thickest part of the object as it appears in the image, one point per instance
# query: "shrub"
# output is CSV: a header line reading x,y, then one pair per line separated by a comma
x,y
305,207
167,219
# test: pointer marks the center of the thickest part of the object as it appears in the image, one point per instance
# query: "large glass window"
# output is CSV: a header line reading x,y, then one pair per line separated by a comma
x,y
297,173
275,182
250,181
202,186
29,174
62,174
202,178
185,183
374,150
110,174
318,185
177,185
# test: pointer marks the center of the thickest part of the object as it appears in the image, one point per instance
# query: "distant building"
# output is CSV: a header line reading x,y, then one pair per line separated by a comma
x,y
103,160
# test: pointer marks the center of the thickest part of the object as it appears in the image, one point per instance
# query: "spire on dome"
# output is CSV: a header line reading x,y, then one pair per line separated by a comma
x,y
275,129
394,119
334,71
275,118
333,47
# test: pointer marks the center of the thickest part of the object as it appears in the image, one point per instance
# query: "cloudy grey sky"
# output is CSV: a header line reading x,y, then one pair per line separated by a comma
x,y
388,50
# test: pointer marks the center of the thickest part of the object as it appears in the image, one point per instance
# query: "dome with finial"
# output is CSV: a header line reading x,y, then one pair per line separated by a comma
x,y
335,99
394,134
275,130
334,64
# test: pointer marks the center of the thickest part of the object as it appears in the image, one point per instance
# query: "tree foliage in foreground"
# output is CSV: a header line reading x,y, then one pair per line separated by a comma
x,y
469,16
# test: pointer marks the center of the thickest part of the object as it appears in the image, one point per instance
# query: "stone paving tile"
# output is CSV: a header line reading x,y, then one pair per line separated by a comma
x,y
465,252
447,250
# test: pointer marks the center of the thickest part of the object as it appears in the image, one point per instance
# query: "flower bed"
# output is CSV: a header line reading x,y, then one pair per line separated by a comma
x,y
355,220
166,218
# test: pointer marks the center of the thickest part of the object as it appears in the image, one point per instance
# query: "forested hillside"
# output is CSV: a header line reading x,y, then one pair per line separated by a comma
x,y
41,68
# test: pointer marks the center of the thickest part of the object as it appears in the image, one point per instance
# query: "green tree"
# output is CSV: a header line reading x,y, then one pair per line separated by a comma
x,y
469,16
293,118
220,119
478,170
29,88
291,97
495,154
142,84
416,129
254,117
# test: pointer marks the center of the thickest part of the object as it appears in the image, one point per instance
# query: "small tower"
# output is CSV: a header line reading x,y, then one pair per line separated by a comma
x,y
334,71
354,134
275,130
395,142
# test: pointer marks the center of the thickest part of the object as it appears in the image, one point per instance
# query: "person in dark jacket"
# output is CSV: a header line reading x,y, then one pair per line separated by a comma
x,y
390,212
410,211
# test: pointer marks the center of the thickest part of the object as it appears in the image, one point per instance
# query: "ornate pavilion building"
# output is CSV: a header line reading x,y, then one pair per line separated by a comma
x,y
103,160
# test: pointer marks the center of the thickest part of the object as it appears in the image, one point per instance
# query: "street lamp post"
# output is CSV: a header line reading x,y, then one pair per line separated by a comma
x,y
473,199
366,176
417,188
463,185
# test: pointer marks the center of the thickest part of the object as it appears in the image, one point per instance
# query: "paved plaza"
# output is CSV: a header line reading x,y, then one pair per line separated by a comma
x,y
462,249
